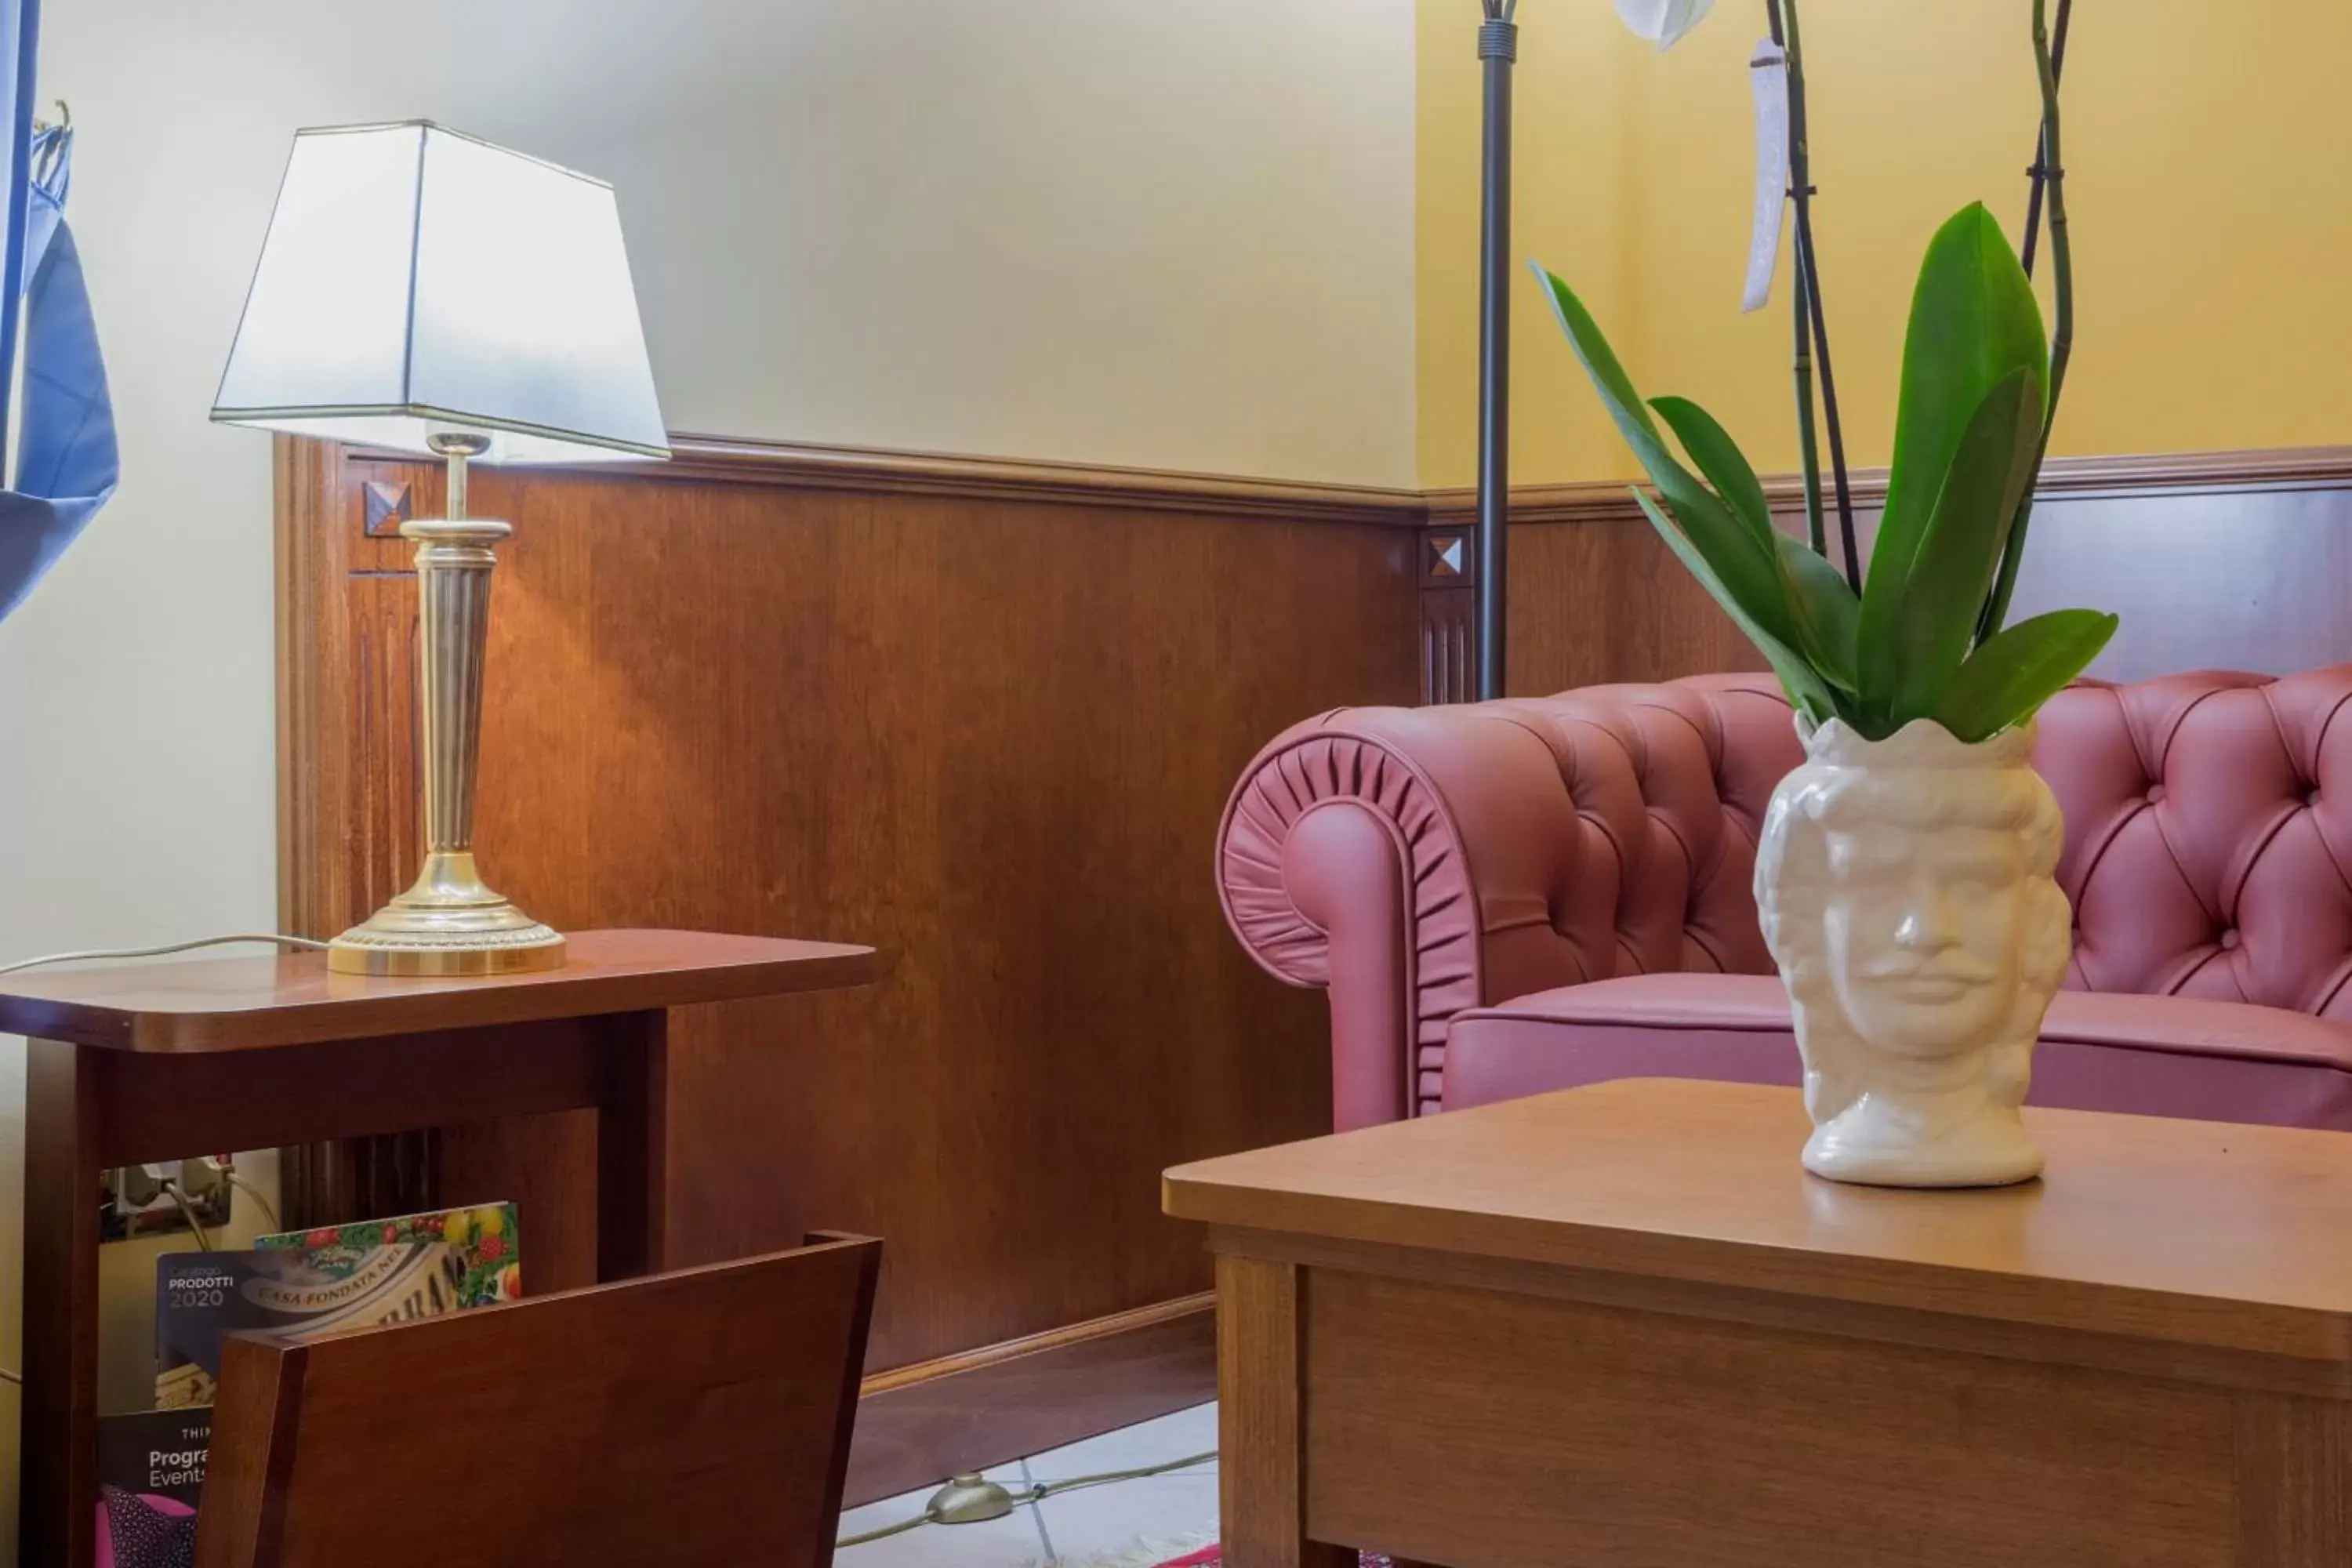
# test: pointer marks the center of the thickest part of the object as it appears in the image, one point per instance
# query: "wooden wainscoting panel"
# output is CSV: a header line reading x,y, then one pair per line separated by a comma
x,y
347,753
1449,592
1604,600
988,731
1449,655
2256,579
993,741
2214,560
347,768
1005,1401
984,716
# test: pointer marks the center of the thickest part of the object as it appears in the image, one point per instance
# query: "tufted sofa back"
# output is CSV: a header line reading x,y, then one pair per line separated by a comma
x,y
2208,836
1667,787
1417,862
2208,827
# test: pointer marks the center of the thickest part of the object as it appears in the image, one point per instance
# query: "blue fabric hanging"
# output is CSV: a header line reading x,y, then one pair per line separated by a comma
x,y
67,459
20,51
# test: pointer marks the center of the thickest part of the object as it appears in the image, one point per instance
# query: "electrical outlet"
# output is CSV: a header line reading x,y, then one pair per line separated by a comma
x,y
139,1200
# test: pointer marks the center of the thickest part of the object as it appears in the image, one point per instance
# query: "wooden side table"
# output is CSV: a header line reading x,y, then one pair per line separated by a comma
x,y
167,1060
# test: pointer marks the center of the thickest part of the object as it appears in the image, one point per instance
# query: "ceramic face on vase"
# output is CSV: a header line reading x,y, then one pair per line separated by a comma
x,y
1907,891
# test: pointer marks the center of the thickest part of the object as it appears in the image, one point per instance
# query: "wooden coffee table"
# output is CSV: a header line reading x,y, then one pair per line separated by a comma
x,y
1619,1328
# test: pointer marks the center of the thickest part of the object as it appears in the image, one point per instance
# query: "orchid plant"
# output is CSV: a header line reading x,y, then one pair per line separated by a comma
x,y
1924,637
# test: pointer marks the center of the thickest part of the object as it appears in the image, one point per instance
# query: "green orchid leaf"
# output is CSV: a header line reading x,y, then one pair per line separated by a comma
x,y
1974,322
1718,457
1739,562
2016,671
1827,614
1825,610
1943,599
1804,684
1599,362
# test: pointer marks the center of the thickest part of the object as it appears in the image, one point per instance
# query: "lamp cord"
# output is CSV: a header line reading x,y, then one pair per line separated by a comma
x,y
166,949
171,1188
1036,1492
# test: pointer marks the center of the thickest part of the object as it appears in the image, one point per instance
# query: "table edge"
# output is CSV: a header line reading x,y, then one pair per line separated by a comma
x,y
135,1031
2310,1334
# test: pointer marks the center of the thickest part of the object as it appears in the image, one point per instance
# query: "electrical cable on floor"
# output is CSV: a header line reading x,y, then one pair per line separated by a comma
x,y
900,1528
1079,1483
165,950
1034,1492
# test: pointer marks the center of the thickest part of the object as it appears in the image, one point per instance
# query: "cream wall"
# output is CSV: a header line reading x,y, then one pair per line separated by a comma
x,y
1116,230
2208,148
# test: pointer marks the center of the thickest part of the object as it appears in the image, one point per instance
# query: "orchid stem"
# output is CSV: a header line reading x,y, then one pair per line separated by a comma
x,y
2034,201
1808,440
2053,171
1809,275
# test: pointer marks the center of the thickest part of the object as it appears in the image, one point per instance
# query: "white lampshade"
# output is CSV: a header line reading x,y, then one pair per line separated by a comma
x,y
416,280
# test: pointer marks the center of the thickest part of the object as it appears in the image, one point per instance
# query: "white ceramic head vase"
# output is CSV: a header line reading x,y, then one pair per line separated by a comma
x,y
1907,892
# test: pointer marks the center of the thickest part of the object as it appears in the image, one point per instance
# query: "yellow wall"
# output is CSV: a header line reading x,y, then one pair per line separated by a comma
x,y
2210,147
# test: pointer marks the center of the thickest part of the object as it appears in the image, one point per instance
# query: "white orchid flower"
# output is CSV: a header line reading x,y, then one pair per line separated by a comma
x,y
1663,22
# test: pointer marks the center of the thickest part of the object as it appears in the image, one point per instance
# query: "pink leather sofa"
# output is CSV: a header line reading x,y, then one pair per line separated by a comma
x,y
1510,897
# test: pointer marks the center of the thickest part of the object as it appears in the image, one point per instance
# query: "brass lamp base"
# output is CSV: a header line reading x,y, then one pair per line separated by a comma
x,y
449,923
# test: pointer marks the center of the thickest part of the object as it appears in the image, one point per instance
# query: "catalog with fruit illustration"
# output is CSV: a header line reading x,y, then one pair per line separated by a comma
x,y
305,1285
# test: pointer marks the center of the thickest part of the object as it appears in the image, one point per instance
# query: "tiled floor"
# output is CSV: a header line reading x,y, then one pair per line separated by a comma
x,y
1138,1521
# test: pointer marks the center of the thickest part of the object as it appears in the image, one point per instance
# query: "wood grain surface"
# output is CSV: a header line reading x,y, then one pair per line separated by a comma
x,y
253,1003
988,1406
2213,560
981,714
981,717
1619,1327
691,1418
92,1108
1261,1395
2200,1233
59,1347
1554,1433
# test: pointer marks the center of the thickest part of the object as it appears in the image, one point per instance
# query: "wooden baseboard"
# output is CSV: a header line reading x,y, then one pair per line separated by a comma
x,y
916,1424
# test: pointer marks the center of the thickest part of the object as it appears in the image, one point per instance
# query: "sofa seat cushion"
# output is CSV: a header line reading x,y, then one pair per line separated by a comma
x,y
2150,1056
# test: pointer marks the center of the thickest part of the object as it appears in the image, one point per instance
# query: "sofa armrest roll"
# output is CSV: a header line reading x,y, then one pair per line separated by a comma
x,y
1419,862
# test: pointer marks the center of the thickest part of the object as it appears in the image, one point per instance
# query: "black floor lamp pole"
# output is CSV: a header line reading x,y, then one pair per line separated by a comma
x,y
1498,47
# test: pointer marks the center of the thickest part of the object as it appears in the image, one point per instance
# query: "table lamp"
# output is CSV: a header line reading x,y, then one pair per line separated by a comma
x,y
426,292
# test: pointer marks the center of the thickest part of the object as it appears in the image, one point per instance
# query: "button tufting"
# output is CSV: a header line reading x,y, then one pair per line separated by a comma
x,y
2229,939
2155,794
